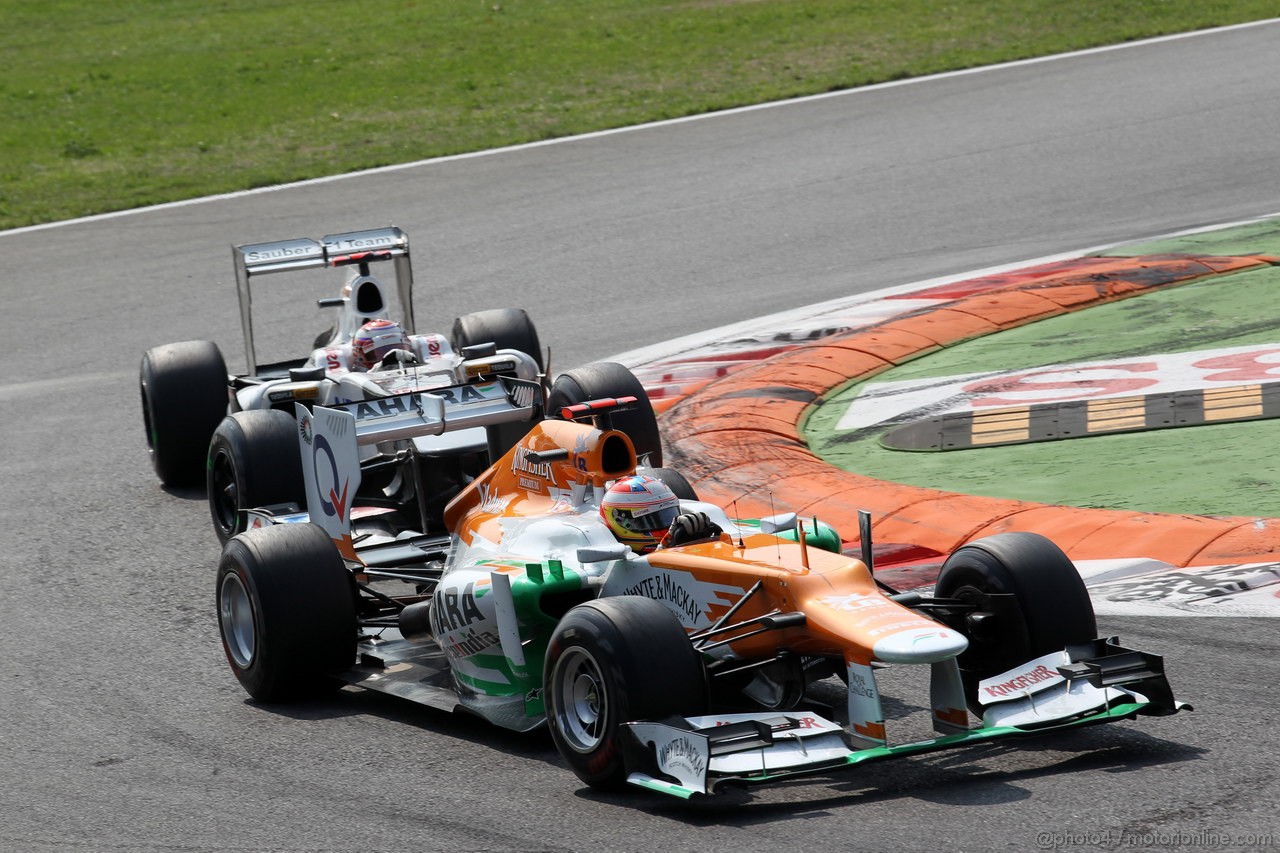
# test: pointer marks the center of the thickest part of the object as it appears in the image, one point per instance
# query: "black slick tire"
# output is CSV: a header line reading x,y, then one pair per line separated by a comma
x,y
1050,605
605,379
674,480
286,611
254,461
613,661
506,328
184,388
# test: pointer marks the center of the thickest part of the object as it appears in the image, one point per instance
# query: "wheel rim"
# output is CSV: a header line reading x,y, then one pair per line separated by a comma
x,y
224,496
581,701
977,598
998,646
235,615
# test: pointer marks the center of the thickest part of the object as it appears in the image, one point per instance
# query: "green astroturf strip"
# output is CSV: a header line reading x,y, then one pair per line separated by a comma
x,y
1228,469
1258,238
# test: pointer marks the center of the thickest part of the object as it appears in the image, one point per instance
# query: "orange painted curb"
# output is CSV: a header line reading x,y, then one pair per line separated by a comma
x,y
738,437
949,325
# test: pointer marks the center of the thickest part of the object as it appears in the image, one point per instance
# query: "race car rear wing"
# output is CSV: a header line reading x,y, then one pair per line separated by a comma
x,y
335,250
329,438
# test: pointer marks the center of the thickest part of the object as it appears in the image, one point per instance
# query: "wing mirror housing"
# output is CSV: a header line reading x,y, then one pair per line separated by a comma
x,y
778,523
601,553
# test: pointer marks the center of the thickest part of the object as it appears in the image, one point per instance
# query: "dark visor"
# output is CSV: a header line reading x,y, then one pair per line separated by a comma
x,y
649,522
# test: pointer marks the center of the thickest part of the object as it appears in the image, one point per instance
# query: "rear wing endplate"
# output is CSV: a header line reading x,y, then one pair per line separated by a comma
x,y
335,250
329,438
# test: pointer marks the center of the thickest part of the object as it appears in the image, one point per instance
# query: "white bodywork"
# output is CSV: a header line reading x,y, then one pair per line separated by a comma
x,y
364,297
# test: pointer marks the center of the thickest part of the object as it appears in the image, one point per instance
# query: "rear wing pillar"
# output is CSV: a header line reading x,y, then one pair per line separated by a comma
x,y
334,250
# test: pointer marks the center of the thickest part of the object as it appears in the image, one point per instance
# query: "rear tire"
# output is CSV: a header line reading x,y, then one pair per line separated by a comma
x,y
286,611
506,328
606,379
184,396
613,661
1051,605
674,480
254,461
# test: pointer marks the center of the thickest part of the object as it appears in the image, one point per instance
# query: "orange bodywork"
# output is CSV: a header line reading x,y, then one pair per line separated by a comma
x,y
587,458
845,611
560,467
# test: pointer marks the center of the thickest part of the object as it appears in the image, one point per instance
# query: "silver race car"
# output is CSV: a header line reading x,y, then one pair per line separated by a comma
x,y
238,434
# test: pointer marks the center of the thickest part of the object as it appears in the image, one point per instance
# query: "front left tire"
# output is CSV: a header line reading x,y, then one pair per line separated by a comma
x,y
613,661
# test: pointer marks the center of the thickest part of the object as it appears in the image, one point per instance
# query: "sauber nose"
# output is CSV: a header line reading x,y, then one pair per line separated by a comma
x,y
920,645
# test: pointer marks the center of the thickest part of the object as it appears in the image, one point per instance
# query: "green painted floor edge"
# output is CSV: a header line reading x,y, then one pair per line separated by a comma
x,y
1120,711
1227,469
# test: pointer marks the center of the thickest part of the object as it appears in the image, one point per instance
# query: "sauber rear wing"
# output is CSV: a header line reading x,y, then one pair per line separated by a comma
x,y
335,250
329,438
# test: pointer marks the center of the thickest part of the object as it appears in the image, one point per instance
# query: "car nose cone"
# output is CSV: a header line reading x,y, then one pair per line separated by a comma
x,y
920,645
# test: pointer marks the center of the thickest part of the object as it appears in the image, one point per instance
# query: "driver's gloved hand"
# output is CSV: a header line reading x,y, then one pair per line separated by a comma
x,y
692,527
398,358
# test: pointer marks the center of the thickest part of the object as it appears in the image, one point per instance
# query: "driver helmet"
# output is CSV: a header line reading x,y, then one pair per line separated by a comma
x,y
374,340
639,511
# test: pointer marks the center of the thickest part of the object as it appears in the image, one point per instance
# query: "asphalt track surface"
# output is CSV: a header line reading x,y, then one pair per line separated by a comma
x,y
122,727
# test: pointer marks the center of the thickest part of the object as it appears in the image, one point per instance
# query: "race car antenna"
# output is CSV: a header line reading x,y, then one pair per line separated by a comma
x,y
737,521
774,511
544,379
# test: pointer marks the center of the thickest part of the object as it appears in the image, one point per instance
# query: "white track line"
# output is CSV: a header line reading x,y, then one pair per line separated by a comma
x,y
782,319
984,69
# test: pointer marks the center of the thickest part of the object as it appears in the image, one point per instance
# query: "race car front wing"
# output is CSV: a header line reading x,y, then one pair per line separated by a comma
x,y
1088,684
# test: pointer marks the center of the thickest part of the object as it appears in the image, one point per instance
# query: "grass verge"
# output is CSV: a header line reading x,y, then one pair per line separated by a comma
x,y
109,105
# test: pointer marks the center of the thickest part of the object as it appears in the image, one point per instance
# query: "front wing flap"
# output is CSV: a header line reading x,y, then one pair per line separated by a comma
x,y
1095,682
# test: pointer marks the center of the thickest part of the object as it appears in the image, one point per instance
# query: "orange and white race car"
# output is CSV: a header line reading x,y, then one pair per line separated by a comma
x,y
676,669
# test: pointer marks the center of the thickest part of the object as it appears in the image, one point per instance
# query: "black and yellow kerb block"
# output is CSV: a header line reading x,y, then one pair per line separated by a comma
x,y
1082,418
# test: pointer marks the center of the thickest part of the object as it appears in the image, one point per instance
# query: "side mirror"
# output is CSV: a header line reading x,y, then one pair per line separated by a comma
x,y
600,553
777,523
